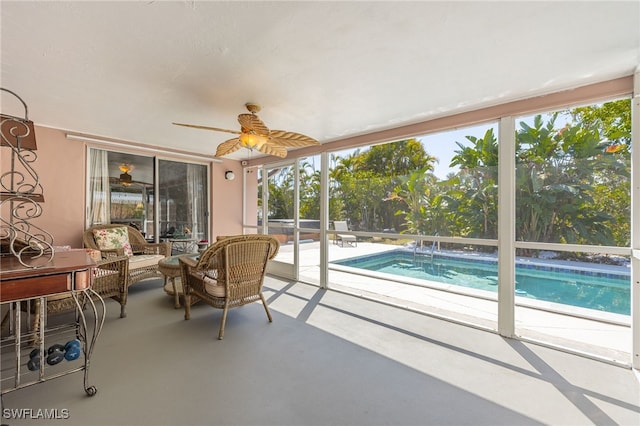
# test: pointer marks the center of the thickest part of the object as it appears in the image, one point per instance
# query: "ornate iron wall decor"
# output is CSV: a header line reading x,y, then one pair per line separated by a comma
x,y
21,194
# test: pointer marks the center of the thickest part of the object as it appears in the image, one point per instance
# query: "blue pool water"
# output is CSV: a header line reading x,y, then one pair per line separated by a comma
x,y
608,291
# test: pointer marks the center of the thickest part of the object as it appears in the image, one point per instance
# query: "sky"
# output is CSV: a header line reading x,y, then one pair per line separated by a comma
x,y
443,144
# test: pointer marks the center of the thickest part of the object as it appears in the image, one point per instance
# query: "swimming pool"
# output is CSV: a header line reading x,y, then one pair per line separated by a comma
x,y
607,290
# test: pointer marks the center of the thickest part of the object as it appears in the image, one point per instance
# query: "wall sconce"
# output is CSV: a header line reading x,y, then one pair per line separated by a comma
x,y
229,175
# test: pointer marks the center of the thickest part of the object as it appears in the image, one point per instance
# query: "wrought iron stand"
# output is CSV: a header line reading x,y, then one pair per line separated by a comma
x,y
29,289
31,277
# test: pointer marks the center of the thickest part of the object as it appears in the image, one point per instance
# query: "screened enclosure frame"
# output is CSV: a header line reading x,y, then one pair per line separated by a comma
x,y
506,242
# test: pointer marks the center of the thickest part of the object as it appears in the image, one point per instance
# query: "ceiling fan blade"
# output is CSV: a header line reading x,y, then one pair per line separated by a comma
x,y
291,139
115,180
227,147
251,122
208,128
273,149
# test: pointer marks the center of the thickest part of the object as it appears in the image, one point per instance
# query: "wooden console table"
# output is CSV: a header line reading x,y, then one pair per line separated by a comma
x,y
69,274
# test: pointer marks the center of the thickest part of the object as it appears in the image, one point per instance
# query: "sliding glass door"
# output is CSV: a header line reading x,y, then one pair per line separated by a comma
x,y
122,188
183,200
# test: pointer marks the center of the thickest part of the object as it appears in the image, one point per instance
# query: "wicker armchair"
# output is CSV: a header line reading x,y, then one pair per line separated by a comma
x,y
144,262
228,274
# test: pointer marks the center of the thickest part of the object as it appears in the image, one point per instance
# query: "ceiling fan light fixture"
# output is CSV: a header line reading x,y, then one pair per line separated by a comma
x,y
252,140
254,134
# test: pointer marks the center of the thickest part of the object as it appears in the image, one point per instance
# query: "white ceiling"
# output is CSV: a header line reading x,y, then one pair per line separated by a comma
x,y
330,70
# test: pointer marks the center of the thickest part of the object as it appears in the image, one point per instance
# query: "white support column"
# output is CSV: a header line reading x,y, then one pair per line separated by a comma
x,y
324,219
506,227
296,220
156,201
245,181
635,221
265,200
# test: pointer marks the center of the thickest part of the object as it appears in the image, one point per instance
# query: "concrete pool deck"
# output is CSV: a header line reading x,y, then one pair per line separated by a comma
x,y
608,338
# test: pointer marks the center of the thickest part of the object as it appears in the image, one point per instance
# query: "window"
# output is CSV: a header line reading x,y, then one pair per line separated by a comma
x,y
122,189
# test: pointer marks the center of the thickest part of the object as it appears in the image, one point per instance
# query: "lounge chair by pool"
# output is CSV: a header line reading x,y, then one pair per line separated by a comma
x,y
341,239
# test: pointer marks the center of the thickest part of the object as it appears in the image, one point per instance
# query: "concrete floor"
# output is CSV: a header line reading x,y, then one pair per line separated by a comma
x,y
328,358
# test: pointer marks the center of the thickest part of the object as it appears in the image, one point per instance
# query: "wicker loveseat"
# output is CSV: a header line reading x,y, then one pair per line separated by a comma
x,y
110,281
228,274
143,256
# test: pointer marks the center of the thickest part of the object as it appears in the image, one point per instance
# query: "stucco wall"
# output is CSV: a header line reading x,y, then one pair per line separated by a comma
x,y
61,167
226,199
251,178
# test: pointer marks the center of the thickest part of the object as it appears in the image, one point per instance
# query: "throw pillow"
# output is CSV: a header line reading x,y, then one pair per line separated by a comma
x,y
113,238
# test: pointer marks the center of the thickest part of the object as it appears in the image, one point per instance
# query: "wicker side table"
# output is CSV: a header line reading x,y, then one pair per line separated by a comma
x,y
170,268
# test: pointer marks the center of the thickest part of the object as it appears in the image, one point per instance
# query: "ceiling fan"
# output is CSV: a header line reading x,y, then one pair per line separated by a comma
x,y
254,134
125,177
